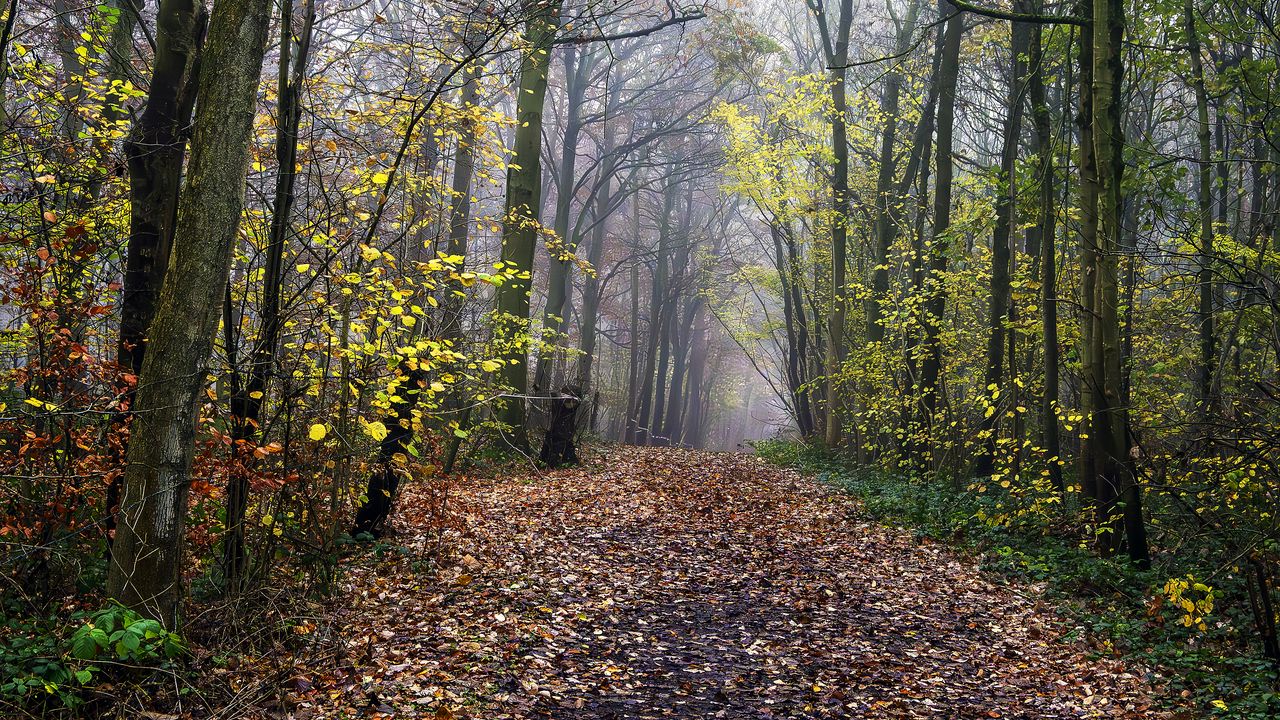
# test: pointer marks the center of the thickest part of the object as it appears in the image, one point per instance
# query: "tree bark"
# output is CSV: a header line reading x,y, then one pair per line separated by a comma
x,y
1121,509
145,572
591,284
886,222
1208,334
657,320
939,250
693,432
154,151
1046,244
575,71
524,200
1000,309
1088,199
632,429
838,59
247,398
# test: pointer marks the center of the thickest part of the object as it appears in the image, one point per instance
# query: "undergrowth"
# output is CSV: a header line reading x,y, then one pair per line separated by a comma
x,y
1160,617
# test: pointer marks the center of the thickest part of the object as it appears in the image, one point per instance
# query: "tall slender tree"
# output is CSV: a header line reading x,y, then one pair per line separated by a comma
x,y
524,201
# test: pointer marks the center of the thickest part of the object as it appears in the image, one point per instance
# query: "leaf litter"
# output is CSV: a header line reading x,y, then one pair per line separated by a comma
x,y
661,583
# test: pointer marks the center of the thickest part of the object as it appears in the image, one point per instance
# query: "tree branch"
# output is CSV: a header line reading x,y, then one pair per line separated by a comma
x,y
1020,17
674,20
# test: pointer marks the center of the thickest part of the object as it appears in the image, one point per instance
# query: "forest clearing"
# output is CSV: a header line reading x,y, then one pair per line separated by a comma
x,y
639,358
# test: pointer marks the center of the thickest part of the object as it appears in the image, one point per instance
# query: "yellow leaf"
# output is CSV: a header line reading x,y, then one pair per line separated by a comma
x,y
318,431
376,430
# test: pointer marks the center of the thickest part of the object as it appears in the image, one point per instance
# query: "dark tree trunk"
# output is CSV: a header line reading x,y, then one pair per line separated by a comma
x,y
558,447
1121,509
1046,245
935,289
576,68
886,223
155,150
248,397
145,571
1000,310
393,455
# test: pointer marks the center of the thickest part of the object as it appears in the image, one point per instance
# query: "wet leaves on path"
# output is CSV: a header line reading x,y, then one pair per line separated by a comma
x,y
658,583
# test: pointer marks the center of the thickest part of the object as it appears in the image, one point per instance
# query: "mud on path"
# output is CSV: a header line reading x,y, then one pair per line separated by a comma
x,y
660,583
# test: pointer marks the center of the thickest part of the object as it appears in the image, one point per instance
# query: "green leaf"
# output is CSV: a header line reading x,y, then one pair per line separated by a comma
x,y
83,646
131,641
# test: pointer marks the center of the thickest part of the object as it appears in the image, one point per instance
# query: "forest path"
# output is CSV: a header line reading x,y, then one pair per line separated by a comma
x,y
657,583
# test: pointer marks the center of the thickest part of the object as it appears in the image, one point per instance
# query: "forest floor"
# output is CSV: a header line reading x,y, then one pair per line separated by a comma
x,y
658,583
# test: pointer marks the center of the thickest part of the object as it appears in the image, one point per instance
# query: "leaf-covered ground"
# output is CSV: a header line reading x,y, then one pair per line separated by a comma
x,y
656,583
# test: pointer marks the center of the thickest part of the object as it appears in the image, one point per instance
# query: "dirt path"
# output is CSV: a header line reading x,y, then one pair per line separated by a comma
x,y
659,583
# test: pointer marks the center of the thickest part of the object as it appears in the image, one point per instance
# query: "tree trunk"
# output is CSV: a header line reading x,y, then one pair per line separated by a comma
x,y
248,398
792,313
1208,348
1110,426
575,71
393,455
671,426
838,61
692,432
591,284
155,150
1046,244
886,225
145,572
1088,198
632,429
657,318
460,185
999,312
668,337
524,200
935,289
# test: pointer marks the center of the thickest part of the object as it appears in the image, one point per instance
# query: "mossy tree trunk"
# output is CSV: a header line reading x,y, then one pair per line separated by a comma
x,y
145,572
524,199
